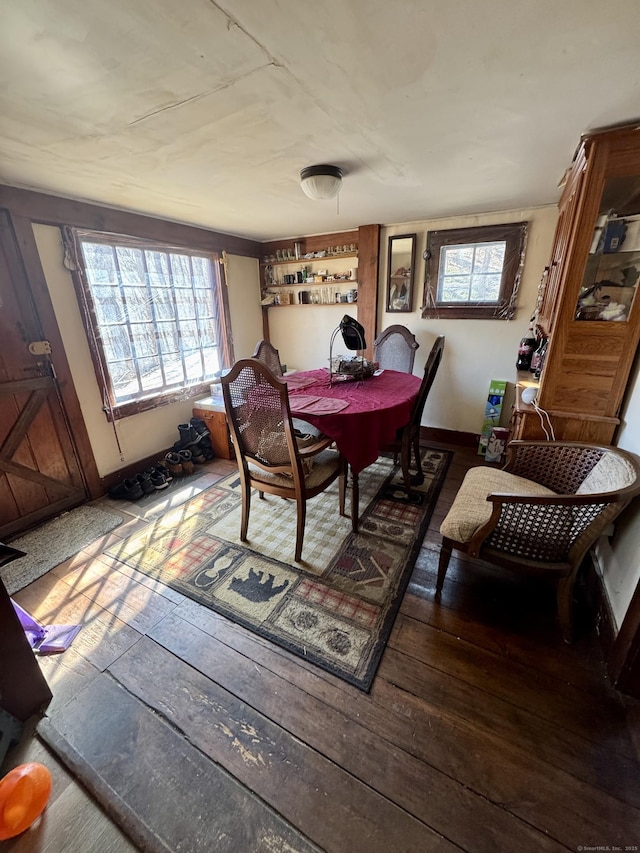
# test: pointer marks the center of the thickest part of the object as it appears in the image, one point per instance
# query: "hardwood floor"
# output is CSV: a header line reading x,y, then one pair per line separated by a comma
x,y
483,731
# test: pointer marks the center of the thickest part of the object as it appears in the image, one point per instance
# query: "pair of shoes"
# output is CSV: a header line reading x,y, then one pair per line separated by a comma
x,y
179,462
127,490
154,480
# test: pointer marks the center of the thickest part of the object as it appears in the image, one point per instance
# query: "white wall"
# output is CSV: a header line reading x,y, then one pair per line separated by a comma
x,y
243,284
619,558
144,434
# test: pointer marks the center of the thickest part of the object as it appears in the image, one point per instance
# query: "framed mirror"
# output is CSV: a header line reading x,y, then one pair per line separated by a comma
x,y
402,257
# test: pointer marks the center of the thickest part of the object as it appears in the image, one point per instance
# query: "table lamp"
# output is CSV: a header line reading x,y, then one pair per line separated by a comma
x,y
353,337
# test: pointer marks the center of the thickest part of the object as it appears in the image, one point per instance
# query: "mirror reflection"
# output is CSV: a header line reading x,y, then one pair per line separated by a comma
x,y
400,277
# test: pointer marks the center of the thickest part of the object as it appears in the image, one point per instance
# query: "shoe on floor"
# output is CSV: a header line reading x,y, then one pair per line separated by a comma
x,y
186,461
157,479
166,473
145,483
174,463
127,490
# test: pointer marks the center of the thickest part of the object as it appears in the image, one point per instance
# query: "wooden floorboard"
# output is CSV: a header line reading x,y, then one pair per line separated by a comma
x,y
483,730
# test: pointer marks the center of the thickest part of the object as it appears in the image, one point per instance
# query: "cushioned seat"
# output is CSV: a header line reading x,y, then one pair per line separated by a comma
x,y
542,512
471,510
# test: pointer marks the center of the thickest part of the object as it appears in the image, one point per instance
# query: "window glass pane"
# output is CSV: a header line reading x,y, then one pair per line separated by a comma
x,y
138,301
109,304
485,288
180,270
185,304
471,273
201,272
116,343
124,379
157,268
489,257
99,259
131,265
157,317
458,260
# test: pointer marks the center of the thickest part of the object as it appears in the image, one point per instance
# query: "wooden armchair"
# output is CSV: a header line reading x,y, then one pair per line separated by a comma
x,y
395,349
542,512
270,457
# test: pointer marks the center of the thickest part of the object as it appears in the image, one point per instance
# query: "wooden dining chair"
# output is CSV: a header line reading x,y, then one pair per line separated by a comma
x,y
268,355
395,349
270,458
408,437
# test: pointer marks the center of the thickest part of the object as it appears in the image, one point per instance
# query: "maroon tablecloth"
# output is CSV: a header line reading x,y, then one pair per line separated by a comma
x,y
377,407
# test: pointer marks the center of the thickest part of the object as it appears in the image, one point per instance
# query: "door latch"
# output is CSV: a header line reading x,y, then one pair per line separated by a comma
x,y
40,348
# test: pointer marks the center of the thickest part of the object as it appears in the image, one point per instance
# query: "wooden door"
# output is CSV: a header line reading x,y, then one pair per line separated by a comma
x,y
40,474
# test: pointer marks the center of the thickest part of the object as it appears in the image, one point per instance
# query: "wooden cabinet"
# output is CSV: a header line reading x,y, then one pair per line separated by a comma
x,y
212,413
587,305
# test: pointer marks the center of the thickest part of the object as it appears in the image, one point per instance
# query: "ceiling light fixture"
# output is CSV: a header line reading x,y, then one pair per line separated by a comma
x,y
320,182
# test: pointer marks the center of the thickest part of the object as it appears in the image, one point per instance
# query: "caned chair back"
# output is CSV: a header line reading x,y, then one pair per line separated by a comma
x,y
268,355
257,406
395,349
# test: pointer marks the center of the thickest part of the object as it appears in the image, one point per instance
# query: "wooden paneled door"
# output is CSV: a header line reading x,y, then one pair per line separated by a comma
x,y
40,472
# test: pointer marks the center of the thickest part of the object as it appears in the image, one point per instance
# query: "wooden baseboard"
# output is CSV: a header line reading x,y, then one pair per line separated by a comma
x,y
129,471
449,436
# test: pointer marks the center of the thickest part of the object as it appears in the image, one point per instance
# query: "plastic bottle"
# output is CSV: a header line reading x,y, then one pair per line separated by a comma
x,y
525,350
542,358
24,793
535,358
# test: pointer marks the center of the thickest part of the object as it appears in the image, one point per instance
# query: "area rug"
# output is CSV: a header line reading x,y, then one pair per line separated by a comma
x,y
336,608
54,542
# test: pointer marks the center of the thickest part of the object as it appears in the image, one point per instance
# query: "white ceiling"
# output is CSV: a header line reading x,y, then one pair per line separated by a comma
x,y
204,112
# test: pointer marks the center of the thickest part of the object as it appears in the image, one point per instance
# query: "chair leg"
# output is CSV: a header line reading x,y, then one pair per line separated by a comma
x,y
302,517
246,506
355,501
342,484
418,478
565,608
443,564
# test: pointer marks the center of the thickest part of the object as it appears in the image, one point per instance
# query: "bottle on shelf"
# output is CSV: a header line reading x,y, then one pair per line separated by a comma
x,y
526,349
541,360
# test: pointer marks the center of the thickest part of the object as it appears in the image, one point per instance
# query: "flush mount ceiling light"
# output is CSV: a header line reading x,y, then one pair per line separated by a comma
x,y
320,182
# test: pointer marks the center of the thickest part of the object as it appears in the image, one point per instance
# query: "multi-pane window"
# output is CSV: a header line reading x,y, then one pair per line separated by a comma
x,y
156,318
474,272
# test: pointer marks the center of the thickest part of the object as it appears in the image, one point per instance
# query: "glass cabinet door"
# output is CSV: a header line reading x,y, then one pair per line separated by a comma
x,y
613,266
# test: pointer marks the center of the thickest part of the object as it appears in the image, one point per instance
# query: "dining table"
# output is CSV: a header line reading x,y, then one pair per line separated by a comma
x,y
360,415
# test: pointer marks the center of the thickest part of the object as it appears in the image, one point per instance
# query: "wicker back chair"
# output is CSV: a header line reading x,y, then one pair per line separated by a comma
x,y
270,458
408,437
395,349
542,512
268,355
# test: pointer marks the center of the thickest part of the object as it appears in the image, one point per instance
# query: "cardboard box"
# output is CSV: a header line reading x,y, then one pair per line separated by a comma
x,y
492,412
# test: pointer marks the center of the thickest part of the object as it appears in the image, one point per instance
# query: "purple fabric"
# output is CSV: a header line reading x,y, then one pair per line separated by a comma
x,y
377,408
306,404
299,381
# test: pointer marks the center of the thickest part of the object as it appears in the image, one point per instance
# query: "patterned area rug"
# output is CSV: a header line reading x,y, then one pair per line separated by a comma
x,y
336,607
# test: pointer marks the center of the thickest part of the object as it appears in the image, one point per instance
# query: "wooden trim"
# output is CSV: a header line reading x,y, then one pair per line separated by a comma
x,y
54,210
449,436
515,236
368,260
623,661
23,231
